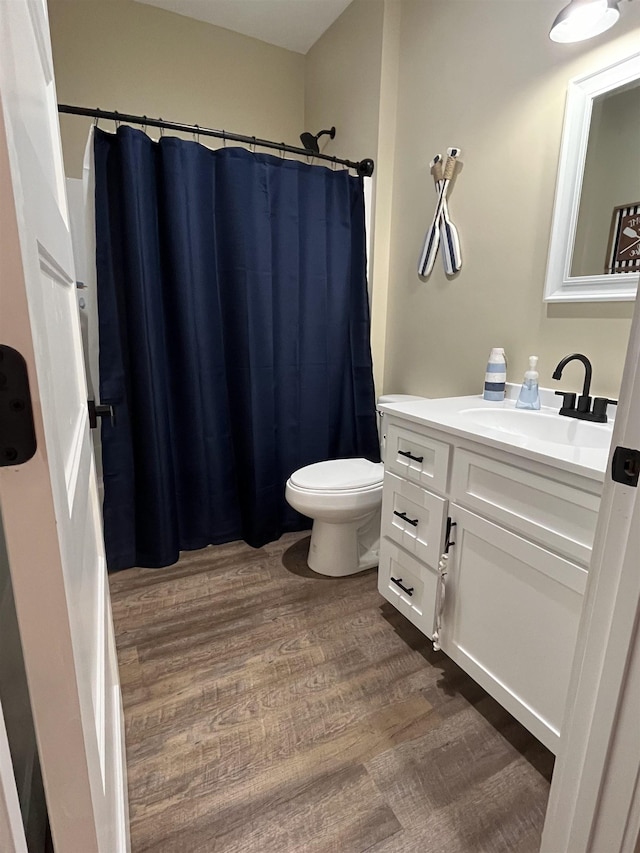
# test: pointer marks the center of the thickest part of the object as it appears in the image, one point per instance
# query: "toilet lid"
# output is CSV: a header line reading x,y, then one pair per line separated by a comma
x,y
339,474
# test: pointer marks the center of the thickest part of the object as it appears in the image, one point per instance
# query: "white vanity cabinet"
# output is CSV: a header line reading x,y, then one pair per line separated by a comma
x,y
521,534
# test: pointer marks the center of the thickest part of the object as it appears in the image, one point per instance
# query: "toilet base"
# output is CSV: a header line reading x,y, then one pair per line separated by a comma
x,y
337,550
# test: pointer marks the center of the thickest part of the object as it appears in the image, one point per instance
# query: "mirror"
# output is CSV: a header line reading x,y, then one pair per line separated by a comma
x,y
593,256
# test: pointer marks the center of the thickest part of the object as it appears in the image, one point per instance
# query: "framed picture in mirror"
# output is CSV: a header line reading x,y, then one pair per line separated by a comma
x,y
623,252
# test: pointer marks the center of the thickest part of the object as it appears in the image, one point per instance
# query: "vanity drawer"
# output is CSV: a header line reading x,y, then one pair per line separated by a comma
x,y
551,512
413,518
410,586
417,457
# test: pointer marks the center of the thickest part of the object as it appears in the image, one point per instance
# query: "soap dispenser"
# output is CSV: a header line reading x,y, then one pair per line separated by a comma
x,y
529,397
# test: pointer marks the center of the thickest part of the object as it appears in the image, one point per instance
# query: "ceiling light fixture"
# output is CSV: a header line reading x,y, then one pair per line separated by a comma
x,y
583,19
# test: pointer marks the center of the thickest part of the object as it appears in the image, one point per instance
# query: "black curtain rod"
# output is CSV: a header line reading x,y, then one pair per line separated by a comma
x,y
364,168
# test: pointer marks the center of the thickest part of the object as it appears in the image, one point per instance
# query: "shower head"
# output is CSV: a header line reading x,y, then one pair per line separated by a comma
x,y
310,142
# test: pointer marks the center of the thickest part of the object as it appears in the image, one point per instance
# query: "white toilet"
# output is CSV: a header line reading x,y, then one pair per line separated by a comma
x,y
343,497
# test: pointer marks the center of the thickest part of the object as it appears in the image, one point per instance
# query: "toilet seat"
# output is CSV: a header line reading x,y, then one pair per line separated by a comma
x,y
339,476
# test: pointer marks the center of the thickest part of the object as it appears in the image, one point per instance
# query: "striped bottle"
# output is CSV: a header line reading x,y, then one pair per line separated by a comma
x,y
496,375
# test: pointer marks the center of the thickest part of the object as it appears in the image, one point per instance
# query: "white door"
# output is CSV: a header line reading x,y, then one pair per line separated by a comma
x,y
49,504
594,804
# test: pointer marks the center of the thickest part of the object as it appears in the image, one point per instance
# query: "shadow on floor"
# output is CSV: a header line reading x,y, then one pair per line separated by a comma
x,y
294,559
454,681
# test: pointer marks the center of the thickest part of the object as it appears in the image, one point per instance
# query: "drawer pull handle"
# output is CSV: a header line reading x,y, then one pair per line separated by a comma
x,y
447,538
410,455
405,517
398,582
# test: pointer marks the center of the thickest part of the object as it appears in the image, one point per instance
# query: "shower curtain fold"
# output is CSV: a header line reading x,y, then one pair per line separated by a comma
x,y
234,339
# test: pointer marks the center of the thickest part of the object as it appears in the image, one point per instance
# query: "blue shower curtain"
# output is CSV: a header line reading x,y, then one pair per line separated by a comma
x,y
234,339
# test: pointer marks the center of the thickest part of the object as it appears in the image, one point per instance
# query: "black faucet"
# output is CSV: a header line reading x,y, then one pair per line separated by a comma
x,y
583,409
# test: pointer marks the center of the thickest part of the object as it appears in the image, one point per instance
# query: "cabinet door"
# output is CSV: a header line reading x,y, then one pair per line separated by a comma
x,y
414,518
511,618
408,584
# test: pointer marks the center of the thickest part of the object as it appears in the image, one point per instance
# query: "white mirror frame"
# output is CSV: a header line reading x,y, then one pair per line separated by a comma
x,y
560,286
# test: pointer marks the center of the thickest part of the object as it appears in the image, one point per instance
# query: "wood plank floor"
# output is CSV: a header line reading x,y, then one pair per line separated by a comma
x,y
269,709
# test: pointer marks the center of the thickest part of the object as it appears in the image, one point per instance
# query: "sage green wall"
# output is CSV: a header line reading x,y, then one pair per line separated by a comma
x,y
131,57
483,75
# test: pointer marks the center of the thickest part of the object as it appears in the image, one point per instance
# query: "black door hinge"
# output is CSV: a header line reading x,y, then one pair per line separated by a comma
x,y
625,467
17,430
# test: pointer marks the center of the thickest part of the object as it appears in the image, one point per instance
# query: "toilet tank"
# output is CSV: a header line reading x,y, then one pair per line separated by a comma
x,y
390,398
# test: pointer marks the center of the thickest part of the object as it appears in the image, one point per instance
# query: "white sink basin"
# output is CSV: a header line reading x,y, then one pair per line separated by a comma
x,y
542,426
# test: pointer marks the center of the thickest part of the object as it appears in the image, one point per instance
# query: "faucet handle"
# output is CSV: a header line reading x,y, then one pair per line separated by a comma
x,y
568,400
600,407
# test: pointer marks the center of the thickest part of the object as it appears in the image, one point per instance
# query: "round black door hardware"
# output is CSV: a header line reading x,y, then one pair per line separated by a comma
x,y
17,429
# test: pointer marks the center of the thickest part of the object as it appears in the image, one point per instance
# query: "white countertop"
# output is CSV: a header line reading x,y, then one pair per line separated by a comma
x,y
451,415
